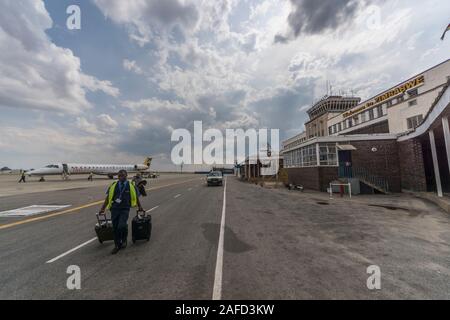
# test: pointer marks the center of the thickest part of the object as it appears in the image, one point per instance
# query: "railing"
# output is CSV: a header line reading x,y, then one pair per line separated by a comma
x,y
365,176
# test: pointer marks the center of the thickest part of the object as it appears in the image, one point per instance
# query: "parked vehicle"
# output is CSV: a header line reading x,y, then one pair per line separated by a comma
x,y
214,178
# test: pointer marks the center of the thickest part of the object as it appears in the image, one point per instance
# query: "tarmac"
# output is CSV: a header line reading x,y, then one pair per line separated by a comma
x,y
277,244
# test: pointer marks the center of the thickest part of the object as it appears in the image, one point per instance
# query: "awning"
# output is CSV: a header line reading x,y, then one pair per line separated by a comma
x,y
346,147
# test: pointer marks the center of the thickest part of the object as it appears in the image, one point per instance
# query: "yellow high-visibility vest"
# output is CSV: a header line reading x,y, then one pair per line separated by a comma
x,y
112,190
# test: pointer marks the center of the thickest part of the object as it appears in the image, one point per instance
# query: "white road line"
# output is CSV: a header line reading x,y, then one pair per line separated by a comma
x,y
178,195
217,291
84,244
71,250
152,209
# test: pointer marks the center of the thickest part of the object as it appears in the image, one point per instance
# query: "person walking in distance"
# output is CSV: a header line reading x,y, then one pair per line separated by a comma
x,y
22,177
120,198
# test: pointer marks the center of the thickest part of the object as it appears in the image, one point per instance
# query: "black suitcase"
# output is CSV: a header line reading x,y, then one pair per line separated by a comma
x,y
104,228
141,227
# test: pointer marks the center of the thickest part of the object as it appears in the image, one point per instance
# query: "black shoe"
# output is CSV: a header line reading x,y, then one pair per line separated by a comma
x,y
115,250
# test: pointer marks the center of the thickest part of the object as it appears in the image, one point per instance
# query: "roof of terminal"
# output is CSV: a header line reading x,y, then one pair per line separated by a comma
x,y
332,104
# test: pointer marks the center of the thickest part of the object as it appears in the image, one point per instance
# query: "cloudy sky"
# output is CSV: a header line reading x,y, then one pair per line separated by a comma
x,y
138,69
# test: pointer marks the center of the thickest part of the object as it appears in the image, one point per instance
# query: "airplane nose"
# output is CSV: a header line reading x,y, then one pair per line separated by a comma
x,y
33,172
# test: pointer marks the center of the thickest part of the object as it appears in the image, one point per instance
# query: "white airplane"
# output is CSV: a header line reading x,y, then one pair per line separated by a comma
x,y
110,170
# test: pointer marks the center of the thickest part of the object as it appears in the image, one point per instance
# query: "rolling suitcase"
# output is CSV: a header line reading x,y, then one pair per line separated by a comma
x,y
141,227
104,228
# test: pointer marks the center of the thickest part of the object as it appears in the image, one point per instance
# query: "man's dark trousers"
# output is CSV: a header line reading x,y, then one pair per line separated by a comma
x,y
119,217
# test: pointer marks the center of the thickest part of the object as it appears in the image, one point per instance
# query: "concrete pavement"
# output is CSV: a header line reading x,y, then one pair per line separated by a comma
x,y
292,245
277,245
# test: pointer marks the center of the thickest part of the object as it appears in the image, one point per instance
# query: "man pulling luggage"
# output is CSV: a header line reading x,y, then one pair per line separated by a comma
x,y
120,198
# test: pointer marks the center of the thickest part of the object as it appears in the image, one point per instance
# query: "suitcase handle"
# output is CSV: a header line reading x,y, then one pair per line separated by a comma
x,y
105,219
141,213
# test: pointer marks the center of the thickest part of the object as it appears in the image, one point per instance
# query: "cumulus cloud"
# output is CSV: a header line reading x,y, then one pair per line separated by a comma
x,y
234,78
88,127
315,17
145,19
99,126
213,61
26,148
107,123
155,104
35,73
131,65
58,144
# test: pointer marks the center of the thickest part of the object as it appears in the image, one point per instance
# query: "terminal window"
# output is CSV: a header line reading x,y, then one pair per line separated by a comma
x,y
413,92
412,103
328,154
309,156
414,122
363,117
379,111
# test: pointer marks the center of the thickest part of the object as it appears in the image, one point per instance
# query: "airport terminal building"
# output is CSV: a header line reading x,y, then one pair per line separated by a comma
x,y
397,140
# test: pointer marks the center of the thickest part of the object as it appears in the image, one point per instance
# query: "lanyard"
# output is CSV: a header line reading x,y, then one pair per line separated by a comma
x,y
122,187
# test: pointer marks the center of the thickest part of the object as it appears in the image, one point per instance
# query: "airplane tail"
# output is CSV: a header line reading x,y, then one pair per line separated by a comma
x,y
148,161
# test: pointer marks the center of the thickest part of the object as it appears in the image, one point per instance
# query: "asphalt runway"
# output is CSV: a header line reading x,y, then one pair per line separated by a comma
x,y
258,244
176,253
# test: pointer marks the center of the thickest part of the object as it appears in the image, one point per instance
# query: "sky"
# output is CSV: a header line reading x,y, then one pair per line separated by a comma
x,y
114,90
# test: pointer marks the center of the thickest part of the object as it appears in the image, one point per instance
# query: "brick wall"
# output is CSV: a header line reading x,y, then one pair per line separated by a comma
x,y
401,164
412,165
384,162
327,174
314,178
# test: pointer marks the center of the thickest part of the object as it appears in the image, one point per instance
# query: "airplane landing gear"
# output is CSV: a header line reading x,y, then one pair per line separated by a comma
x,y
42,179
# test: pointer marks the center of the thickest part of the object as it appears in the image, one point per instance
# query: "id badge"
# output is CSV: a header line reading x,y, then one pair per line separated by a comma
x,y
118,201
